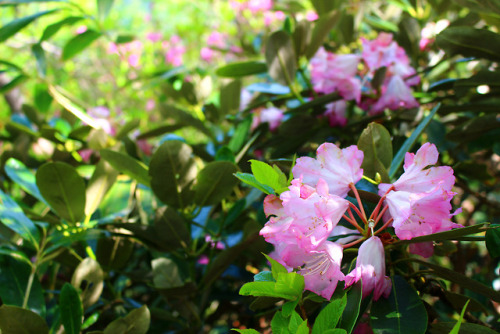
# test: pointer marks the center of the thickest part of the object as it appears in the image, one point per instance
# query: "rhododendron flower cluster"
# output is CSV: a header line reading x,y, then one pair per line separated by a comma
x,y
352,75
304,218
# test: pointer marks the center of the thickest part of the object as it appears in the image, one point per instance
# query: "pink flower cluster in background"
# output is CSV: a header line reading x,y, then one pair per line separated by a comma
x,y
218,42
272,116
304,218
351,76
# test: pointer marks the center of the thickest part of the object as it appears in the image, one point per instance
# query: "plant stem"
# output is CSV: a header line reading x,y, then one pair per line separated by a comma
x,y
356,194
29,285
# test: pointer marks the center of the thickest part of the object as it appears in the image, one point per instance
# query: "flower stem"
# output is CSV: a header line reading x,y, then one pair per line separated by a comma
x,y
381,214
387,223
355,242
362,215
353,223
29,285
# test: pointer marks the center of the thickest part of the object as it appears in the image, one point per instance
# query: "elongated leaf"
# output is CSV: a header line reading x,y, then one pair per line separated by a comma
x,y
14,276
276,267
329,316
101,181
23,177
241,69
465,328
136,322
13,83
72,107
288,286
376,144
16,320
280,57
41,64
456,328
493,242
321,29
185,118
240,135
88,277
14,218
166,274
230,97
78,43
402,313
351,311
251,180
52,29
470,42
103,8
71,309
14,26
172,169
448,235
63,188
160,130
245,331
462,280
408,144
127,165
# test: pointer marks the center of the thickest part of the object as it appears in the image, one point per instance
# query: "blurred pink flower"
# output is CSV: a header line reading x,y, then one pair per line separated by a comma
x,y
311,15
335,112
339,168
256,6
370,268
175,51
396,95
217,39
81,29
154,36
133,60
207,54
150,104
272,115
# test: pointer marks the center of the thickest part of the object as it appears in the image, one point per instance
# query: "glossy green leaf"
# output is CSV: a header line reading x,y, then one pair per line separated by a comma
x,y
493,242
63,188
287,286
376,144
23,177
16,320
240,135
279,323
410,141
448,235
329,315
166,274
264,276
14,276
215,182
251,180
402,313
280,57
14,26
12,216
321,29
78,43
103,8
71,309
102,179
241,69
136,322
41,63
52,29
89,278
351,311
245,331
113,253
276,267
172,169
470,42
127,165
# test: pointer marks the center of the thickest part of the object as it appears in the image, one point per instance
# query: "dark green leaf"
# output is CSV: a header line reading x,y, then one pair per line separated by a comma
x,y
166,274
470,42
14,218
329,315
89,273
214,183
14,26
474,128
230,97
52,29
136,322
63,189
183,117
160,130
351,311
241,69
335,331
102,179
448,235
493,242
122,39
409,142
458,301
13,83
78,43
42,97
70,307
172,168
41,64
169,224
23,177
127,165
280,58
323,7
113,253
376,144
402,313
126,128
322,27
465,328
16,320
224,154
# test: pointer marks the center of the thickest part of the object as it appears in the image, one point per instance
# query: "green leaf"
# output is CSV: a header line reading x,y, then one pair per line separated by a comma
x,y
303,328
448,235
63,189
376,144
465,328
14,218
351,310
90,273
323,7
127,165
250,180
113,253
14,26
13,83
52,29
127,128
160,130
70,307
264,276
172,169
456,328
279,324
335,331
16,320
215,182
14,276
224,154
241,69
288,286
280,57
245,331
493,242
103,8
41,64
409,142
166,274
329,315
322,28
136,322
185,118
230,97
240,135
267,175
470,42
78,43
402,313
23,177
276,267
101,181
294,322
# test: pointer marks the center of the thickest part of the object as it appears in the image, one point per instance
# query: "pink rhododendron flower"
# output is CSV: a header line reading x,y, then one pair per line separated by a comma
x,y
382,51
154,36
370,268
429,32
339,168
256,6
81,29
272,115
396,95
311,15
207,54
174,51
335,112
217,39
